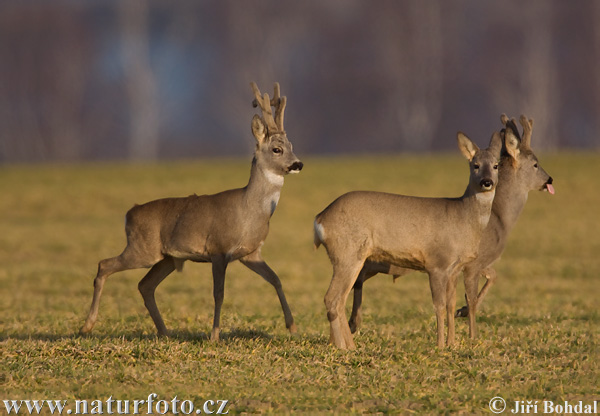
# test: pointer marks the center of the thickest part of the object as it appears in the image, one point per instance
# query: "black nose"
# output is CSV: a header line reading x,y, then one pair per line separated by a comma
x,y
549,181
296,166
486,183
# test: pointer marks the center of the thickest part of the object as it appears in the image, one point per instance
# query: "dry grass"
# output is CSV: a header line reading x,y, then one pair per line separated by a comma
x,y
539,325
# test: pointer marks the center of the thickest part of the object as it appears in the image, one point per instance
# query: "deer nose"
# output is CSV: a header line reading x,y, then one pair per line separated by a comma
x,y
296,167
486,184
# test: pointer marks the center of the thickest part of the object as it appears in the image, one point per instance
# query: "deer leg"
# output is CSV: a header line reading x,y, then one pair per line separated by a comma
x,y
147,287
107,267
438,283
451,306
490,275
255,262
356,315
219,265
342,281
471,285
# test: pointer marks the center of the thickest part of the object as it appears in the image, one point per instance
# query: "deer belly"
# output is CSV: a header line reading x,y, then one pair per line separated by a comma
x,y
413,261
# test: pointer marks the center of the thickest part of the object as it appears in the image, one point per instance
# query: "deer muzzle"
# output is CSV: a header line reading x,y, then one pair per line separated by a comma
x,y
486,184
295,167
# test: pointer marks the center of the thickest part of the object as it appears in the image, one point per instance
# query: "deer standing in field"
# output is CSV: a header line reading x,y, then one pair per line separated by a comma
x,y
220,228
436,235
519,172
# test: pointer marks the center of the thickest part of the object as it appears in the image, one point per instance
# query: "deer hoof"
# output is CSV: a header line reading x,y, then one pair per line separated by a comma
x,y
462,312
293,329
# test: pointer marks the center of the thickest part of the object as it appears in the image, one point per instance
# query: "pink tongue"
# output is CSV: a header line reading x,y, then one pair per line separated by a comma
x,y
550,188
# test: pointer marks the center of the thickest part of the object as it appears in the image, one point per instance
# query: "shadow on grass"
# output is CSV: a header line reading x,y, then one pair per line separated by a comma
x,y
175,335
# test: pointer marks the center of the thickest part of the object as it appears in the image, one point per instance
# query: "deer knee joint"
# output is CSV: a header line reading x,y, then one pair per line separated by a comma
x,y
332,315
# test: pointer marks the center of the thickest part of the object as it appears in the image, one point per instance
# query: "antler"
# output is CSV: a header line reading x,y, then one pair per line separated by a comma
x,y
527,129
273,124
510,124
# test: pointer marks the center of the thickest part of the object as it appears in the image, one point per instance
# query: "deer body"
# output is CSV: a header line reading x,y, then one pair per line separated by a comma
x,y
383,231
180,228
220,228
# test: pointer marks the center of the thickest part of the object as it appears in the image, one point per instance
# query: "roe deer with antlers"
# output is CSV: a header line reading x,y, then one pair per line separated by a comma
x,y
220,228
435,235
519,172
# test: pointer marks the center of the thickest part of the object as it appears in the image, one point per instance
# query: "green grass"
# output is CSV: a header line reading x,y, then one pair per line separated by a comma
x,y
539,326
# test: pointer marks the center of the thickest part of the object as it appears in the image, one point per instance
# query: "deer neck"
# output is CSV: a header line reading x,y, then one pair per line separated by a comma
x,y
263,189
479,205
510,199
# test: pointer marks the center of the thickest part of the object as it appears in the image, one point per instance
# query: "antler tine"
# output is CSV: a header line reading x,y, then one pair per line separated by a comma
x,y
527,129
279,103
279,113
257,95
510,124
276,95
265,105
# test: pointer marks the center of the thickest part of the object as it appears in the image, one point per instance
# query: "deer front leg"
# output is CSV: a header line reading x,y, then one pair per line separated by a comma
x,y
438,283
471,285
219,265
451,306
490,275
255,262
147,287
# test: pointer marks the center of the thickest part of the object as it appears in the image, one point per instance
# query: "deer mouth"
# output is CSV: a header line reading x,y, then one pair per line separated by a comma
x,y
295,167
486,184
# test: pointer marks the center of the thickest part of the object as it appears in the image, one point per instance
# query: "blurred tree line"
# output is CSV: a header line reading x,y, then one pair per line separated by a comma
x,y
159,79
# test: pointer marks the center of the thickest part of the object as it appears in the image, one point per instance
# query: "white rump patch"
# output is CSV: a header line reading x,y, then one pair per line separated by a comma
x,y
319,231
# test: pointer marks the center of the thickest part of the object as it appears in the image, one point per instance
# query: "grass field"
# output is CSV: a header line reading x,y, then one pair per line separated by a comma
x,y
539,326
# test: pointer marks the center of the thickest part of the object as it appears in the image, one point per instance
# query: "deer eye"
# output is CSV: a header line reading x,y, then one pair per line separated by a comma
x,y
535,165
277,150
476,166
496,166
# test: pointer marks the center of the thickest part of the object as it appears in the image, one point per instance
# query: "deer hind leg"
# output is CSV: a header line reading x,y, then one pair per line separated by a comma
x,y
344,276
126,261
219,266
356,315
147,287
255,262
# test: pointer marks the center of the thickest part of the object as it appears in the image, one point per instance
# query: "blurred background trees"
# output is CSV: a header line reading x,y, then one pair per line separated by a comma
x,y
146,80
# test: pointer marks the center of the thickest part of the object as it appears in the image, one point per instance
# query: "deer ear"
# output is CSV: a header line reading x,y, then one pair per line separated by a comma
x,y
496,144
511,143
259,129
466,146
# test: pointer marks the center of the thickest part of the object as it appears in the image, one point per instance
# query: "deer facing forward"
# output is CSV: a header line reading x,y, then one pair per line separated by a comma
x,y
220,228
435,235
